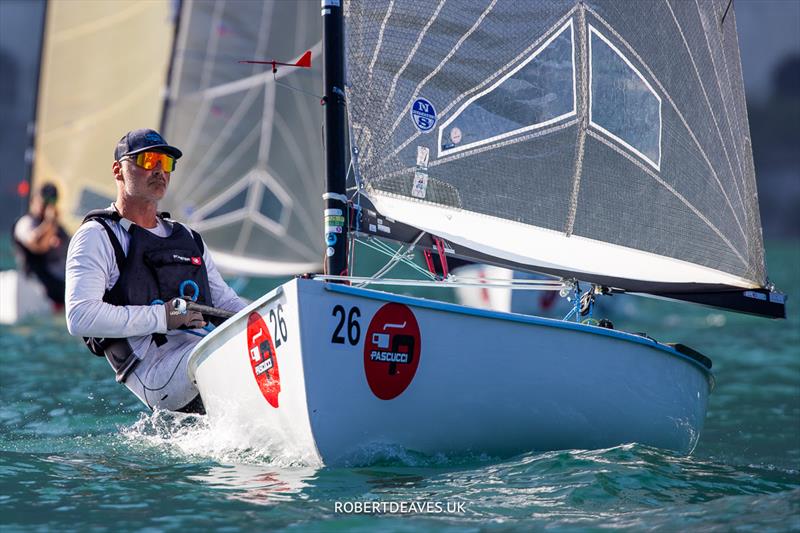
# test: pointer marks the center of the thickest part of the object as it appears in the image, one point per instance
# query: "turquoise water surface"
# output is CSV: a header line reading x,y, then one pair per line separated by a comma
x,y
78,452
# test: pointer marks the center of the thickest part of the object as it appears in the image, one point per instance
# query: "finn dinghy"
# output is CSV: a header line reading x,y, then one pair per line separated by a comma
x,y
588,140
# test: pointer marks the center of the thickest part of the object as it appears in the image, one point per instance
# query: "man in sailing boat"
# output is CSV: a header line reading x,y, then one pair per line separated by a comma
x,y
41,243
125,266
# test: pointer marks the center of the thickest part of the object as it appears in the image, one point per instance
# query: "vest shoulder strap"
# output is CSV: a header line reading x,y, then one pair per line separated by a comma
x,y
101,216
107,213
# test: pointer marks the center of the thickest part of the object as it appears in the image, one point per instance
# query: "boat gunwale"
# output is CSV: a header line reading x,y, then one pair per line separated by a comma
x,y
515,317
448,307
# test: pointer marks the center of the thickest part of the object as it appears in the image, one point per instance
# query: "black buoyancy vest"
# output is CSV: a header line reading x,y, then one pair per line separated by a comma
x,y
153,270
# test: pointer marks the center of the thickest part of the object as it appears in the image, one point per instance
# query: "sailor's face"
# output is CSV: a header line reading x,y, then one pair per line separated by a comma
x,y
142,183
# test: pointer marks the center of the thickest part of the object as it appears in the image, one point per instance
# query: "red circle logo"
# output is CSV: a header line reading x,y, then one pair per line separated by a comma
x,y
391,350
263,359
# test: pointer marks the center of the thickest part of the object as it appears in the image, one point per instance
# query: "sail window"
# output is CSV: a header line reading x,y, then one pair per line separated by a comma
x,y
623,105
271,206
536,93
236,203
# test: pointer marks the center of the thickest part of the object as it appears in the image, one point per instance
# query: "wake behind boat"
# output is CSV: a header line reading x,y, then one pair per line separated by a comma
x,y
559,138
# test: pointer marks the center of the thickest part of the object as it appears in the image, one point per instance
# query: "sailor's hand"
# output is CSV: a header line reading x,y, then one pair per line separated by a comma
x,y
180,318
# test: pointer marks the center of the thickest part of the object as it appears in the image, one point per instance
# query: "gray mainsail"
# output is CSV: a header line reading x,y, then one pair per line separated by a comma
x,y
250,176
602,139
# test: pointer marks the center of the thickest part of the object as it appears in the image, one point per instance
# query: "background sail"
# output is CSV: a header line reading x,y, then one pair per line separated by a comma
x,y
99,78
250,179
595,137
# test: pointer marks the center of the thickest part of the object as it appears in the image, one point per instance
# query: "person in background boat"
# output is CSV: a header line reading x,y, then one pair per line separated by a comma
x,y
127,263
41,243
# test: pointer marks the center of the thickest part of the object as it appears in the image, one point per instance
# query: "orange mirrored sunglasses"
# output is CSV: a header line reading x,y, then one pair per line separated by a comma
x,y
148,160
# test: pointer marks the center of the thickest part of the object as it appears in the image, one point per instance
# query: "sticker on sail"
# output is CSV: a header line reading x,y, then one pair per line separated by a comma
x,y
420,187
263,359
423,154
423,114
392,348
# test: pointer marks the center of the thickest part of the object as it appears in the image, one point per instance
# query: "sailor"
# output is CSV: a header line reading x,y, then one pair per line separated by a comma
x,y
127,263
41,243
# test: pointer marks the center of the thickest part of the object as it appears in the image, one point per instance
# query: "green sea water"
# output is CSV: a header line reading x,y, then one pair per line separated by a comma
x,y
79,453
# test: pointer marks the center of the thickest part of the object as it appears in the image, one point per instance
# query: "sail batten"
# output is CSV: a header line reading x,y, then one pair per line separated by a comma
x,y
587,135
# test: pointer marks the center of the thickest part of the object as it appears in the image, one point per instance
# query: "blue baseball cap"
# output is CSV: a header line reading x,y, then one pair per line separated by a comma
x,y
144,140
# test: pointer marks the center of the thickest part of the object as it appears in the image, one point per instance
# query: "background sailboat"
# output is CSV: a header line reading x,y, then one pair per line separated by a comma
x,y
249,178
81,110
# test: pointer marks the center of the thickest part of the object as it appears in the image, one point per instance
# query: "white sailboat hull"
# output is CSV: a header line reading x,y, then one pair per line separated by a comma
x,y
21,297
472,381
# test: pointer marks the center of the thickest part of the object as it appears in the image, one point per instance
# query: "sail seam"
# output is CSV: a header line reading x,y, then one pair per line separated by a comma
x,y
735,146
435,71
95,25
714,118
670,189
226,164
677,112
379,44
178,67
413,52
478,87
460,155
208,65
478,150
198,172
582,125
724,105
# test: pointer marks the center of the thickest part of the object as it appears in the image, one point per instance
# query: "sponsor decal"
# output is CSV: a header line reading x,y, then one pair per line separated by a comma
x,y
423,114
197,260
755,295
180,258
423,154
420,187
392,348
334,223
776,297
263,359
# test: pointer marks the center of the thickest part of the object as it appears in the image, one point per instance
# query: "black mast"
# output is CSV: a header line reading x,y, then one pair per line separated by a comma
x,y
334,138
